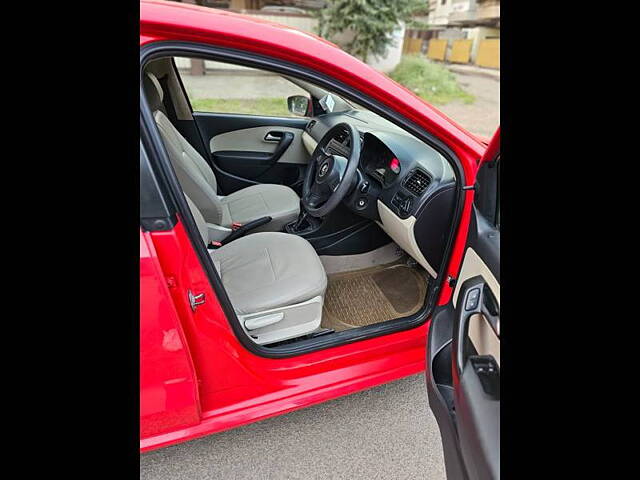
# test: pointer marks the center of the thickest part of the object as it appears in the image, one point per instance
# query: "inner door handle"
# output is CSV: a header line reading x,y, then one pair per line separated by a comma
x,y
475,298
273,136
283,141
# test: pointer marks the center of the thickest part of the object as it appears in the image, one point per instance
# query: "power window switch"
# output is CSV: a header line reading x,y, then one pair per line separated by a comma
x,y
472,300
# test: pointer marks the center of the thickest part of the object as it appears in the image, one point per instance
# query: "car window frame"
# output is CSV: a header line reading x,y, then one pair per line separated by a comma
x,y
487,191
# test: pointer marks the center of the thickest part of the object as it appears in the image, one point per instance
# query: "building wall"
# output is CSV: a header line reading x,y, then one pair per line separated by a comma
x,y
459,19
480,33
439,14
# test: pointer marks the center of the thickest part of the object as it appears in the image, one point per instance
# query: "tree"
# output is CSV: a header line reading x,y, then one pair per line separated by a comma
x,y
370,21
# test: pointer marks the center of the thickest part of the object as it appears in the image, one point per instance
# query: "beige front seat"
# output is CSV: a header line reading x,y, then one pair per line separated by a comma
x,y
198,181
275,281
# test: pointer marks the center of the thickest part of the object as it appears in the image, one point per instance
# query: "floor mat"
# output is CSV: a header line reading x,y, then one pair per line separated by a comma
x,y
373,295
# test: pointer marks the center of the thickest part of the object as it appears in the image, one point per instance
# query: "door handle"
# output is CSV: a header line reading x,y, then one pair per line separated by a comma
x,y
475,298
283,143
273,137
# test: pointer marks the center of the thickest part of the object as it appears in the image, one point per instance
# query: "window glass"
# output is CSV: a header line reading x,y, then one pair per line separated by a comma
x,y
227,88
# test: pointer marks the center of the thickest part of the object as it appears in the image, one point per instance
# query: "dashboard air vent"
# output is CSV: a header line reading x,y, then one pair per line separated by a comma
x,y
417,182
310,125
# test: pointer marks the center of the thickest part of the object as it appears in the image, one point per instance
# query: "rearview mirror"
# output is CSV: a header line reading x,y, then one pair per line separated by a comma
x,y
298,105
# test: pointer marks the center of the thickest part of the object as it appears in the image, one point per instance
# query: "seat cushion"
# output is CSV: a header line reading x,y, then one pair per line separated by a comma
x,y
269,270
279,202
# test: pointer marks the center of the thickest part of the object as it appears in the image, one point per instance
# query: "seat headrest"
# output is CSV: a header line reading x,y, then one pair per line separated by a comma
x,y
154,92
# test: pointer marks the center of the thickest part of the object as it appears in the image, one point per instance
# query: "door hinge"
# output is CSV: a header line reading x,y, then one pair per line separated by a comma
x,y
470,187
452,281
195,300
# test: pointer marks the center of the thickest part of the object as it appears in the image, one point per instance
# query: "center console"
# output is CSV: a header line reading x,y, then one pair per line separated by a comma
x,y
340,233
304,225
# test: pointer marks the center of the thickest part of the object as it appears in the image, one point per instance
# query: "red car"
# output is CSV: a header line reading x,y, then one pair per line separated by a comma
x,y
288,260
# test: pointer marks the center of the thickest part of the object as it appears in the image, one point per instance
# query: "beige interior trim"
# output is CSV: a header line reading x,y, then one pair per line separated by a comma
x,y
309,143
347,263
161,68
401,231
472,265
283,323
252,140
483,337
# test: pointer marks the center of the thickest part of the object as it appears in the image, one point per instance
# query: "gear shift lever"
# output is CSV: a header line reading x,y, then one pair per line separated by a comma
x,y
301,217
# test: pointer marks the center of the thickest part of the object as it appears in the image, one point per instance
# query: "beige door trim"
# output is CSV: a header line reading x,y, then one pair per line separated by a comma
x,y
472,266
481,333
483,337
252,140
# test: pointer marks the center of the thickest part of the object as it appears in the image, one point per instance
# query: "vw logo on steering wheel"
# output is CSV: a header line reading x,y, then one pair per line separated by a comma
x,y
323,169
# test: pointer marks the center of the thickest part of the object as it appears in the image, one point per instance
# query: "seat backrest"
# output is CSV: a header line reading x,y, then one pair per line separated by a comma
x,y
200,222
203,230
195,175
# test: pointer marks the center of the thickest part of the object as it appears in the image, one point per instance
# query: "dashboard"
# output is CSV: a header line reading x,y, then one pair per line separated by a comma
x,y
403,184
379,162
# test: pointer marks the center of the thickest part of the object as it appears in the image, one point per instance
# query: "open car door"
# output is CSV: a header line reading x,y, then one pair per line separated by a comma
x,y
463,359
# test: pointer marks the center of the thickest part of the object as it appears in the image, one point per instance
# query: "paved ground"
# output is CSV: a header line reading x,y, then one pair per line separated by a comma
x,y
481,117
387,432
474,70
239,85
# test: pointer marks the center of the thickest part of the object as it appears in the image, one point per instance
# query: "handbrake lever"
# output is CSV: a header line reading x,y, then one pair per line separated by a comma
x,y
242,230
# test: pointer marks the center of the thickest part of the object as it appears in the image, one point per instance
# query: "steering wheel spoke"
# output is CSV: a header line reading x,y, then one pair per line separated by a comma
x,y
329,176
322,156
312,199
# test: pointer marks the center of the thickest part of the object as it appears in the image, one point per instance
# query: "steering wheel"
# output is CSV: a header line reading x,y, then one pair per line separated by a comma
x,y
329,177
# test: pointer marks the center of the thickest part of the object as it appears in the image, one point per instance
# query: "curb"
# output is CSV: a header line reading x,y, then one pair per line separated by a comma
x,y
480,72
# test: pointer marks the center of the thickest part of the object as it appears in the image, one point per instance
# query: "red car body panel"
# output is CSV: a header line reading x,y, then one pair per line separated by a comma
x,y
167,377
196,377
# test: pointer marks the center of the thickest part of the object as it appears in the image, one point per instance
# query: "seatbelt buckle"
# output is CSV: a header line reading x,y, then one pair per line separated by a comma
x,y
236,226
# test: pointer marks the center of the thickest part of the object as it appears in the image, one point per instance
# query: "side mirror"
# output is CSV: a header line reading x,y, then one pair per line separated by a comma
x,y
298,105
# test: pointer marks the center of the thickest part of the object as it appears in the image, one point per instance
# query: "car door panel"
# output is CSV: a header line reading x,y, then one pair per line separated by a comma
x,y
463,347
483,337
256,139
253,164
244,152
475,367
440,389
479,413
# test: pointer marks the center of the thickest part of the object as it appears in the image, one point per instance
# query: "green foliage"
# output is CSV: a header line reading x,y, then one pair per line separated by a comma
x,y
371,21
428,80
